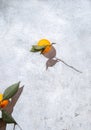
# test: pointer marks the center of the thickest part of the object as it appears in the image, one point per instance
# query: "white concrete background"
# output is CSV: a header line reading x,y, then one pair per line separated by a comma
x,y
51,99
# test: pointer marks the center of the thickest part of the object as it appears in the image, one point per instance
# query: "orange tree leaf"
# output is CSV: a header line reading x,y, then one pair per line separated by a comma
x,y
11,91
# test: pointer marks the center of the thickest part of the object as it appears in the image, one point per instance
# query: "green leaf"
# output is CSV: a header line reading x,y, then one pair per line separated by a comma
x,y
33,50
11,91
36,47
7,117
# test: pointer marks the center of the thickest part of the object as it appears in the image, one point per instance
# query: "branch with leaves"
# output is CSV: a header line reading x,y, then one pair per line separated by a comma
x,y
7,102
47,49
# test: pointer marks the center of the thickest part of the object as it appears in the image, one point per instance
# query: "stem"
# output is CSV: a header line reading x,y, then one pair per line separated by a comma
x,y
69,65
2,125
14,127
19,126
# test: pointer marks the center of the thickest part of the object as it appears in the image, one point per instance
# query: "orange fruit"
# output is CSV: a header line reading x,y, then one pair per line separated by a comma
x,y
47,49
4,103
1,97
43,42
46,43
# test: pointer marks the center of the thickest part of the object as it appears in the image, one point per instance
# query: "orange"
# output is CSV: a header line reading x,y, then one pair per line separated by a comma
x,y
47,49
4,103
1,97
43,42
46,43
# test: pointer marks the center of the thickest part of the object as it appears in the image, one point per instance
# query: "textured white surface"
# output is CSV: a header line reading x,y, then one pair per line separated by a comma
x,y
51,99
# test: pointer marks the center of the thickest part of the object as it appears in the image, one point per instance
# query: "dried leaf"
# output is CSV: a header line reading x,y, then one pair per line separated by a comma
x,y
14,99
11,91
51,54
50,63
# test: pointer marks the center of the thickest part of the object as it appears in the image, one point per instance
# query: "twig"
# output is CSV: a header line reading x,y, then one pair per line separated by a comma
x,y
2,125
69,65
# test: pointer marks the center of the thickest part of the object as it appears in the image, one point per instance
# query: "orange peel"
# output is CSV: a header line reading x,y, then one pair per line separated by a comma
x,y
3,103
